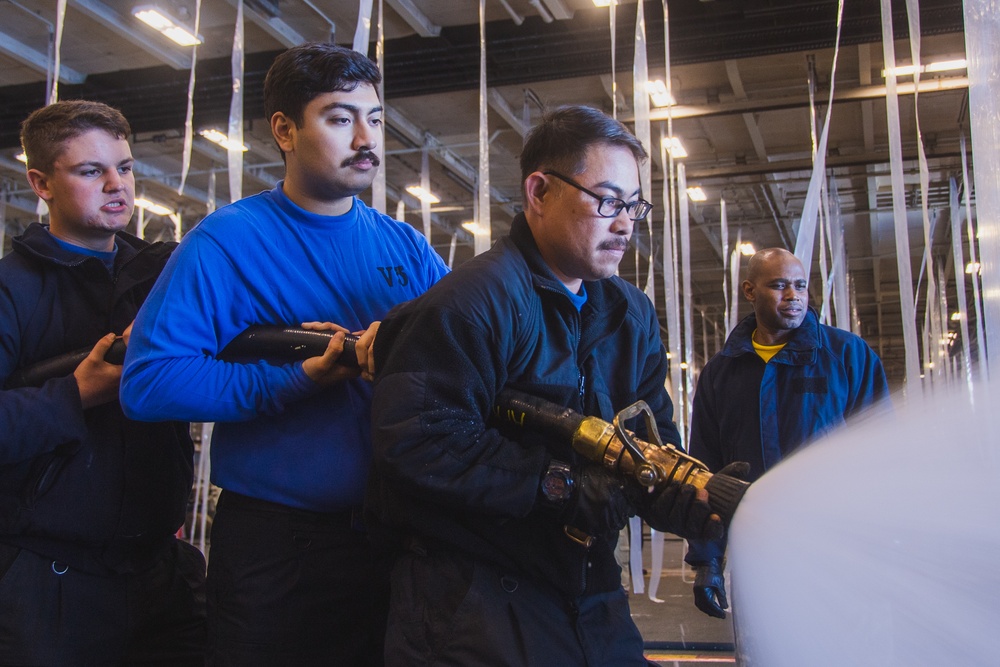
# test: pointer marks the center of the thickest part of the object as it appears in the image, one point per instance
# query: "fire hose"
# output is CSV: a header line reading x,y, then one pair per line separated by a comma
x,y
650,464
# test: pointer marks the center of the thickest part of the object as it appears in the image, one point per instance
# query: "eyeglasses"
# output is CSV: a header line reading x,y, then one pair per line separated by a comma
x,y
610,207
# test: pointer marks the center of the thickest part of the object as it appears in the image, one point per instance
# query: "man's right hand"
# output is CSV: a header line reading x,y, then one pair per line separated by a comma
x,y
324,369
97,380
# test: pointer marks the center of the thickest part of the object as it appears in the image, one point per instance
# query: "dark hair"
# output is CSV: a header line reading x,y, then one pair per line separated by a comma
x,y
45,131
561,140
306,71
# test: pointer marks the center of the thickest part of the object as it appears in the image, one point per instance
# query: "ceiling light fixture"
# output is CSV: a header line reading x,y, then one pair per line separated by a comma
x,y
21,157
956,317
605,3
696,193
152,207
972,267
171,28
658,93
473,227
940,66
423,195
747,249
217,137
674,147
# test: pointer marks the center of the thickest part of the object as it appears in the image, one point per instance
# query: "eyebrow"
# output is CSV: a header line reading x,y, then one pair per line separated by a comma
x,y
353,108
101,165
614,188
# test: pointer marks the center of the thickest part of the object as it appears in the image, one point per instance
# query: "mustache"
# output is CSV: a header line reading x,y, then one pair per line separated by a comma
x,y
619,243
362,156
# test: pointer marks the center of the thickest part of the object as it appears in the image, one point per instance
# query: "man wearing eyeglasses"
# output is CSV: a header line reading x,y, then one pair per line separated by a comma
x,y
507,537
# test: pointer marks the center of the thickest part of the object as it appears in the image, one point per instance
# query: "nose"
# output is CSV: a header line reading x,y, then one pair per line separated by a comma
x,y
365,137
114,181
622,224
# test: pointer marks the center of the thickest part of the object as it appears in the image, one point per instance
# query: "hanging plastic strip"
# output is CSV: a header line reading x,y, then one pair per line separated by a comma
x,y
53,95
425,184
956,214
973,262
841,298
982,34
362,32
235,150
724,235
484,233
189,115
899,205
379,199
640,101
672,310
810,208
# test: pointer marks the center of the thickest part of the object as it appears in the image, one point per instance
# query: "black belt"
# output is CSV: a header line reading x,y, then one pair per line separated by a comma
x,y
352,518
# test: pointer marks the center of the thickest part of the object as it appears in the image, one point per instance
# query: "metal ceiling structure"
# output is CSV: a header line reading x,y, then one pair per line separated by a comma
x,y
741,74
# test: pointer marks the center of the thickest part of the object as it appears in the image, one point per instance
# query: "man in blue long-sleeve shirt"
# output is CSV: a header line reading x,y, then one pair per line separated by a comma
x,y
292,579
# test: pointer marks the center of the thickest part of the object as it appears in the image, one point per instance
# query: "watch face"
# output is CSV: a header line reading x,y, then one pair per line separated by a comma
x,y
555,486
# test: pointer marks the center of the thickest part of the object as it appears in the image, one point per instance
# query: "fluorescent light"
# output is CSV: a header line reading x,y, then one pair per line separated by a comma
x,y
972,267
696,193
423,195
473,227
152,207
956,317
674,147
683,365
940,66
658,93
157,19
605,3
217,137
22,157
747,249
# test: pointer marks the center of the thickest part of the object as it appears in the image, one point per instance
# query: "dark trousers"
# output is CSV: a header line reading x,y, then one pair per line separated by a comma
x,y
292,587
54,615
449,610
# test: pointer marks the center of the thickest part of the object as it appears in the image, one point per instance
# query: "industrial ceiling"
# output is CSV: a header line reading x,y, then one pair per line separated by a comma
x,y
740,72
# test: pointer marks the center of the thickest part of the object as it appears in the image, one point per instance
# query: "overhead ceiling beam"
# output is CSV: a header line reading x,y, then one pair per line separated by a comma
x,y
558,9
415,18
37,60
272,25
937,85
499,104
122,26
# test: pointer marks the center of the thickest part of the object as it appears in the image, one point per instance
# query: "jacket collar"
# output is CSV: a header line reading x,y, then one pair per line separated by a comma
x,y
799,349
37,242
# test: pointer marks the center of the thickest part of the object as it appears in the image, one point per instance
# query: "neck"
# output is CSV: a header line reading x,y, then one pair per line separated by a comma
x,y
98,242
763,337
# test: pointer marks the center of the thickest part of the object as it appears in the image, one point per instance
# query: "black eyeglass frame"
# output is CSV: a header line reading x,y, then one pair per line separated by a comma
x,y
640,206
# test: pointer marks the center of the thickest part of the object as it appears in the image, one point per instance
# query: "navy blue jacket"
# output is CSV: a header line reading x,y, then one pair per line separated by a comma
x,y
746,410
88,488
445,474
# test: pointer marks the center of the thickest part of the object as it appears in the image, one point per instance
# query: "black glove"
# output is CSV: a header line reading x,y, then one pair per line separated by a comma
x,y
710,588
676,510
598,505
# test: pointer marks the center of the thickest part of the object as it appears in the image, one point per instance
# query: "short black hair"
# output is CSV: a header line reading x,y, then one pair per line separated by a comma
x,y
561,140
45,131
306,71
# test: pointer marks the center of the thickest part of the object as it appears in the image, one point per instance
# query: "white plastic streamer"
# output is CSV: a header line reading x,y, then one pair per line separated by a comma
x,y
805,240
202,488
956,214
685,253
899,204
640,101
362,33
379,200
734,279
235,154
971,231
53,95
672,310
425,183
210,205
3,218
841,299
982,34
451,250
724,235
401,210
140,224
614,77
189,115
483,236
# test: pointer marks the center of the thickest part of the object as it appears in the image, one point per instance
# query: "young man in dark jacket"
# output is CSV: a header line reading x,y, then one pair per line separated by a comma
x,y
781,379
491,573
90,570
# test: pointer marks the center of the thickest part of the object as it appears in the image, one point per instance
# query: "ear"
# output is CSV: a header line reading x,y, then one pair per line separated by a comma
x,y
536,188
40,184
748,291
283,131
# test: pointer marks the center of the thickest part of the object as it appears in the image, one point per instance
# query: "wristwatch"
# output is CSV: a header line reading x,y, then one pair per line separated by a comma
x,y
557,483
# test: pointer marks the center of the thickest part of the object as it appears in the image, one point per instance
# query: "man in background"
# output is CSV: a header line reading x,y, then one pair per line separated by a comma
x,y
90,570
781,379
